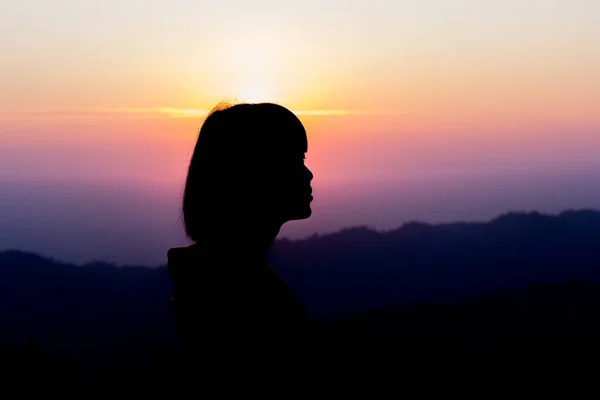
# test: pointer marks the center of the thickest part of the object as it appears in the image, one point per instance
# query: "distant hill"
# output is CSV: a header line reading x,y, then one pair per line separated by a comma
x,y
409,284
96,312
359,269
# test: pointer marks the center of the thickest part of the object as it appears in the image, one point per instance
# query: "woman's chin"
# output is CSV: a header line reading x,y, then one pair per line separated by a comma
x,y
303,213
306,213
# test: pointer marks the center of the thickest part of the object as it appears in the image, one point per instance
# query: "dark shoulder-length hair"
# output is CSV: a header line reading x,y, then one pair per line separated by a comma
x,y
238,149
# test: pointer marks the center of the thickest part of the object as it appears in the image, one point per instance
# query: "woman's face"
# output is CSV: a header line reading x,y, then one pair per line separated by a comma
x,y
300,191
290,192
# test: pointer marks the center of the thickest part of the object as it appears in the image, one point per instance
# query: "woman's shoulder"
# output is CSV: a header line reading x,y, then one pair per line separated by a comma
x,y
287,299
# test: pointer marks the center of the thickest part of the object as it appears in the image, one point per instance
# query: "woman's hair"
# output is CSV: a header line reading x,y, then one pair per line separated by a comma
x,y
239,148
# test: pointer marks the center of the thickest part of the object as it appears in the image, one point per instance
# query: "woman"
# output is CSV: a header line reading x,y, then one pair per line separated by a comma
x,y
246,179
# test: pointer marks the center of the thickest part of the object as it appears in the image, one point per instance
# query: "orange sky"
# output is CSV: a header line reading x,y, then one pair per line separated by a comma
x,y
114,91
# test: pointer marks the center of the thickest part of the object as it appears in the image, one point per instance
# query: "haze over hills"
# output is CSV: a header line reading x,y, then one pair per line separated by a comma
x,y
135,223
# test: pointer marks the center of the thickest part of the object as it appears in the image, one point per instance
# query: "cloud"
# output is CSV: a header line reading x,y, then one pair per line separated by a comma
x,y
192,112
171,112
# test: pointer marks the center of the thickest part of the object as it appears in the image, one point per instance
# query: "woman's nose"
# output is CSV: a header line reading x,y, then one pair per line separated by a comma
x,y
310,174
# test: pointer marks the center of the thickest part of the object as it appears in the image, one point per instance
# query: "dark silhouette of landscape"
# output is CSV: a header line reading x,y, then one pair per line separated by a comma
x,y
522,282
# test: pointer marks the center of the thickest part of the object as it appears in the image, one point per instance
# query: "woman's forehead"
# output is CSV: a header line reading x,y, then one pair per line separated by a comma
x,y
285,154
291,140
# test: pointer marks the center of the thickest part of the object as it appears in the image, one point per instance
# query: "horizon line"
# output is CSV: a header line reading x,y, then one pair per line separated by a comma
x,y
337,231
172,112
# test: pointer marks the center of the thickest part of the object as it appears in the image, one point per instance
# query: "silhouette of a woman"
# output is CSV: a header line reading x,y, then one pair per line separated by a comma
x,y
246,179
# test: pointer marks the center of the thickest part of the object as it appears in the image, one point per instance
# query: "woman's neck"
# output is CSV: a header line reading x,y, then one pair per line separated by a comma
x,y
251,242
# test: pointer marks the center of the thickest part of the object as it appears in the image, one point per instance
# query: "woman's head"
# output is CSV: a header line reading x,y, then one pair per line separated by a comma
x,y
247,167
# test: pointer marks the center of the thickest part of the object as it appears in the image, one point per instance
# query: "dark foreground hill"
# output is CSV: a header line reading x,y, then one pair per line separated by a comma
x,y
520,282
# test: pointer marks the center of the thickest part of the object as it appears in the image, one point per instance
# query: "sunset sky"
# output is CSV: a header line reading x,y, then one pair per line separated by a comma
x,y
441,73
389,91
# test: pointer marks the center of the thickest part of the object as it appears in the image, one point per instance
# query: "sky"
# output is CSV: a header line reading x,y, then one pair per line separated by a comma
x,y
397,97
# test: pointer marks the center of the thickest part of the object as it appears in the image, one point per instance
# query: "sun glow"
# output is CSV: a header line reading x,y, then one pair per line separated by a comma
x,y
255,92
251,64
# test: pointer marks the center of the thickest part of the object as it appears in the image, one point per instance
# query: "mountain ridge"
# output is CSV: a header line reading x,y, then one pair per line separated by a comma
x,y
428,277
